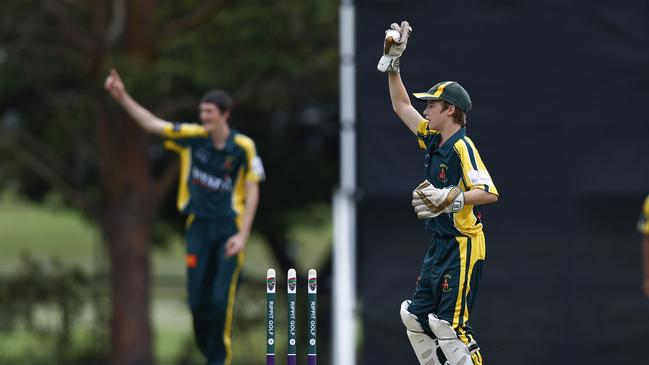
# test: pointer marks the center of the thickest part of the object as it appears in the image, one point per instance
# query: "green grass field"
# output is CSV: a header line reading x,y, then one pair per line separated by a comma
x,y
51,231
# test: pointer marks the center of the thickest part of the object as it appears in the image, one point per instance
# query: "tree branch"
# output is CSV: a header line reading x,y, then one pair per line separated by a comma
x,y
173,105
72,124
49,157
76,35
32,51
44,171
117,23
17,25
193,20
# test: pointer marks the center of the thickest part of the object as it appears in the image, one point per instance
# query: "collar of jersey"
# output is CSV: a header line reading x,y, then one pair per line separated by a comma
x,y
229,143
448,145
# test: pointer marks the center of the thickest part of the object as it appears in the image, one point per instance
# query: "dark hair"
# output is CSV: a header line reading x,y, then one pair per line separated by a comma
x,y
219,98
459,116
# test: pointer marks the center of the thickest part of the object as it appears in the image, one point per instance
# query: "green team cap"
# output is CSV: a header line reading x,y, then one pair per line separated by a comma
x,y
449,91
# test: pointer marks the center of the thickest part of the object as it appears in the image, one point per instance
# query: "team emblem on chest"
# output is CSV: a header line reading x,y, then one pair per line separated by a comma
x,y
227,164
441,176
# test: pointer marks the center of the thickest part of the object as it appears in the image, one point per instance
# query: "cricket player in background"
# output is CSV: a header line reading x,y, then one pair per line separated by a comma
x,y
643,228
456,184
219,191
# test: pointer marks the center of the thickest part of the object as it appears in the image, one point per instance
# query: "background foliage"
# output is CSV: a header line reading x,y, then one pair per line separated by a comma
x,y
62,138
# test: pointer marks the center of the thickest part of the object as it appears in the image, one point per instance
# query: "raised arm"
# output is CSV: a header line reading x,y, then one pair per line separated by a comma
x,y
396,39
142,116
401,103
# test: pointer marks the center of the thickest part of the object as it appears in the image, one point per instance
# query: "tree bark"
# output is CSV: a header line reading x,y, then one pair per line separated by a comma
x,y
130,280
129,204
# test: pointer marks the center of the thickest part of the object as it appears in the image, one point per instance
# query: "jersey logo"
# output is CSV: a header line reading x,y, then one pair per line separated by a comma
x,y
442,173
258,168
211,182
480,178
227,165
446,288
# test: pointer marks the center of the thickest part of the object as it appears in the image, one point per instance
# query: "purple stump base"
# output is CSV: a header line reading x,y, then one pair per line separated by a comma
x,y
270,359
292,359
312,360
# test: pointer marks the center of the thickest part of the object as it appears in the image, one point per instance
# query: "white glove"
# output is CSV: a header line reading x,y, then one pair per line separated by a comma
x,y
396,39
429,201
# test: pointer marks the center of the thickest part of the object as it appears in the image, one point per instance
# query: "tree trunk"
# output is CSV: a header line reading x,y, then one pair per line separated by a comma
x,y
130,198
128,209
130,279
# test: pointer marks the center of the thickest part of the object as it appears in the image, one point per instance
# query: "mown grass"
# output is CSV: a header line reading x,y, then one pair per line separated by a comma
x,y
50,230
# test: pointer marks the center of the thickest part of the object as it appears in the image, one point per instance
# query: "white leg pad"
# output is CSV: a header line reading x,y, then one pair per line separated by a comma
x,y
456,352
425,347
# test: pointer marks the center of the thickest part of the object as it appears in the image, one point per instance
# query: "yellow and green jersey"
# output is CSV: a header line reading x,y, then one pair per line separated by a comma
x,y
643,222
212,181
455,163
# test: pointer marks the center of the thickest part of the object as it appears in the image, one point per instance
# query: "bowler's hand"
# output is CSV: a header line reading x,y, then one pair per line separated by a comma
x,y
114,85
235,244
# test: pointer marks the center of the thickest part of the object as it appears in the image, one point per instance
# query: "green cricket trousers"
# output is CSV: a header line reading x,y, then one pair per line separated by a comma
x,y
212,285
448,284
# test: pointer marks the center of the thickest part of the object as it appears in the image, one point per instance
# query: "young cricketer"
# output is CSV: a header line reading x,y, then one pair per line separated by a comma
x,y
219,191
456,184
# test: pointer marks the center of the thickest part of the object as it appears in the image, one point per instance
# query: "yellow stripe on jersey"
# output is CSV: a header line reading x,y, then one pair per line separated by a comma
x,y
244,175
423,132
251,154
183,130
643,223
185,164
466,222
474,171
474,176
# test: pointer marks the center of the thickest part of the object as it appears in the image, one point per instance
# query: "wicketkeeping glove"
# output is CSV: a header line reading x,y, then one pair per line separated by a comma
x,y
429,201
396,39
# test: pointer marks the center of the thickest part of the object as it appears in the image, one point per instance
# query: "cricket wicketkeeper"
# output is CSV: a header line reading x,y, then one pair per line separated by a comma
x,y
456,184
